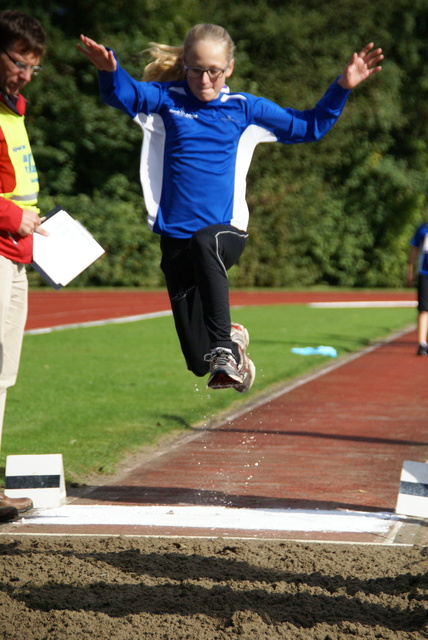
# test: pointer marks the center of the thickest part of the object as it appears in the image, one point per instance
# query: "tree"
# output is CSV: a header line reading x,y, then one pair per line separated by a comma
x,y
340,211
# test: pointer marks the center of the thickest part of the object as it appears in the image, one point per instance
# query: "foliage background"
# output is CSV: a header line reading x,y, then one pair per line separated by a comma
x,y
338,212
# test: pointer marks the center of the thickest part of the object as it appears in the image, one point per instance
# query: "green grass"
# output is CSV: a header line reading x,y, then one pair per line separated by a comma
x,y
97,394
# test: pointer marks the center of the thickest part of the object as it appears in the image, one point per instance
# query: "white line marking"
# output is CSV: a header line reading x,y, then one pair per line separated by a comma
x,y
393,532
99,323
363,304
197,517
213,536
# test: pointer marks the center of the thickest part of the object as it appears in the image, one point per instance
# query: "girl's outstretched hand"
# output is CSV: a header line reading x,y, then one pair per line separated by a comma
x,y
361,66
103,59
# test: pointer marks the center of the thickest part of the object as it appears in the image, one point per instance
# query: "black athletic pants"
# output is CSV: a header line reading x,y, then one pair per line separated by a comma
x,y
196,276
422,293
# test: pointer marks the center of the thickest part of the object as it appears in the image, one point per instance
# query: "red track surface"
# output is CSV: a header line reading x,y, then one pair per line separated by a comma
x,y
334,442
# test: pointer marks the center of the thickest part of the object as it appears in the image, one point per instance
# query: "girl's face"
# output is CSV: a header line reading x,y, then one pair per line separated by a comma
x,y
207,54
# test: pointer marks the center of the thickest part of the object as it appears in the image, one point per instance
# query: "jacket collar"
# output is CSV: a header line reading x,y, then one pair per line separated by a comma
x,y
18,104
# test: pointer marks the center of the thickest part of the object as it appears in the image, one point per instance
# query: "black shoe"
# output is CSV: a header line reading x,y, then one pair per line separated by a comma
x,y
7,514
422,350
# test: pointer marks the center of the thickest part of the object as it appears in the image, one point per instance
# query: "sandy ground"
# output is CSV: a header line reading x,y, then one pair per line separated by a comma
x,y
119,588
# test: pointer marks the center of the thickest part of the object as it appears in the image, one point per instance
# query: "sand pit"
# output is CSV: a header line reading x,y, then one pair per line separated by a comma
x,y
118,588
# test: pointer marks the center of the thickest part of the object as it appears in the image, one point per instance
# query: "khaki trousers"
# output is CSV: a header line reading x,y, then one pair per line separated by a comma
x,y
13,316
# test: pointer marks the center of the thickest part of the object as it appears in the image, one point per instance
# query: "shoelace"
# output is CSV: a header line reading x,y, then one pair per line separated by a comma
x,y
221,356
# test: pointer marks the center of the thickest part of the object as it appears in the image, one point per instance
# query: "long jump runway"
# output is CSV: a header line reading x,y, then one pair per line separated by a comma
x,y
318,460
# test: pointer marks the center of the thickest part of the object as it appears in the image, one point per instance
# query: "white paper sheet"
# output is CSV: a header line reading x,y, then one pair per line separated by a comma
x,y
67,251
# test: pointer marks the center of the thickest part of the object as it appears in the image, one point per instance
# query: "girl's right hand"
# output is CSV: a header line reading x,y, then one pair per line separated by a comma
x,y
103,59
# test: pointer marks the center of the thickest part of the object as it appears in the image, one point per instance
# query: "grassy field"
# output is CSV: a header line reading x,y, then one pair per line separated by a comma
x,y
96,394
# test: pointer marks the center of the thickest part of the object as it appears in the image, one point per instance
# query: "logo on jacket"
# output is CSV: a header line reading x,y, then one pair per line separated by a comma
x,y
183,114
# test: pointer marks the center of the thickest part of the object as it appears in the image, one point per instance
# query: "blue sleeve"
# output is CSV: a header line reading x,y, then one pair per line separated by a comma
x,y
292,126
118,89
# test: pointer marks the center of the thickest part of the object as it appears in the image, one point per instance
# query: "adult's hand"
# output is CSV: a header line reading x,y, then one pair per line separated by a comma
x,y
30,223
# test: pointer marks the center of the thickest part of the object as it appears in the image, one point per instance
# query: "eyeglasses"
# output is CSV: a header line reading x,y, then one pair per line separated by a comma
x,y
196,72
34,69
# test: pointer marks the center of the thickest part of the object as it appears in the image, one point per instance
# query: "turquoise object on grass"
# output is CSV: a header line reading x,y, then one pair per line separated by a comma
x,y
319,351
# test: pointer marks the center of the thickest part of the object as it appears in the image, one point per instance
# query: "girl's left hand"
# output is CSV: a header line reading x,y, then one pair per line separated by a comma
x,y
361,66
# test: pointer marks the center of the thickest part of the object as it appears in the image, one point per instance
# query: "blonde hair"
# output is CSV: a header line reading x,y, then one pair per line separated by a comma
x,y
168,62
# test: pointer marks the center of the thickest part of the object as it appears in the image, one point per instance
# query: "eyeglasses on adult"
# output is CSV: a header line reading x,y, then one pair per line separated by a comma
x,y
22,66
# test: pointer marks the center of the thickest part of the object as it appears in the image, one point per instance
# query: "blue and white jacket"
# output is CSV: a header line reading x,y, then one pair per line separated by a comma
x,y
196,155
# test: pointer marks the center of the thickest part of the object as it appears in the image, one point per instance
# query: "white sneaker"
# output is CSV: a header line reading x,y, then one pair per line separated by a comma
x,y
246,368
